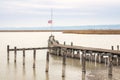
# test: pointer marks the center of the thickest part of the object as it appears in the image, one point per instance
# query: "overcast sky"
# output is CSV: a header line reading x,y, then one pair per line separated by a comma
x,y
30,13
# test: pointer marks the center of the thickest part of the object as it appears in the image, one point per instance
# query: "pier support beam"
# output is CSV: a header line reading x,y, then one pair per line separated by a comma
x,y
58,50
47,62
117,60
34,57
100,58
72,53
83,61
90,52
117,47
112,47
8,53
71,43
23,57
110,65
64,43
63,65
15,54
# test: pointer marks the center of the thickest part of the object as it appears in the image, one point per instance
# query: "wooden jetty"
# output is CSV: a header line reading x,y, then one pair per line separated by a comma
x,y
72,51
87,53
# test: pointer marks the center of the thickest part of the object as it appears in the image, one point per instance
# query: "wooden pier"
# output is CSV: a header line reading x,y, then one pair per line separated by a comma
x,y
72,51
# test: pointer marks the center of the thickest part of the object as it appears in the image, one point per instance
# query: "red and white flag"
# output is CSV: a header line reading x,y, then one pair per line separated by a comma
x,y
50,21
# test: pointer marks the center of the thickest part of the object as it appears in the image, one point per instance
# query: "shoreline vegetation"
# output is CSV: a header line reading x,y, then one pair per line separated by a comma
x,y
70,31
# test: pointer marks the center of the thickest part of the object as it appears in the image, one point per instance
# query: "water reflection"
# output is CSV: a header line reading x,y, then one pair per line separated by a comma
x,y
24,72
83,75
15,68
63,78
109,77
34,74
47,76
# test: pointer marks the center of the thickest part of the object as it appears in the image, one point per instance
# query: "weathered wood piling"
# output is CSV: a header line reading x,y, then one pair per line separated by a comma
x,y
15,54
110,65
47,62
117,47
83,61
8,53
64,64
112,47
23,57
34,57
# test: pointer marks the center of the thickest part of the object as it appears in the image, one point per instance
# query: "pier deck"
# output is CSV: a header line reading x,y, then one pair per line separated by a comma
x,y
100,50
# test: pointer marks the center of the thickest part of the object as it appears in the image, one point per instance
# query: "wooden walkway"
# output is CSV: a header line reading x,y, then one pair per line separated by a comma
x,y
54,47
39,48
100,50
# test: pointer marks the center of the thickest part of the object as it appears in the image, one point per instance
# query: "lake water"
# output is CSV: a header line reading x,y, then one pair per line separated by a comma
x,y
11,71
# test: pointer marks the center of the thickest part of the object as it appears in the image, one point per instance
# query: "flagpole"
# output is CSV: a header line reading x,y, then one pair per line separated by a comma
x,y
51,20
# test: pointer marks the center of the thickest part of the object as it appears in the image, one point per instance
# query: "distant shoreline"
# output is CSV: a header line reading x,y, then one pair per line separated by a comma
x,y
70,31
31,30
92,31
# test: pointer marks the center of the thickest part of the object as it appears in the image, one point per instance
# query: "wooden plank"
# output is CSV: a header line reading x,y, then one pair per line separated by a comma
x,y
21,49
88,49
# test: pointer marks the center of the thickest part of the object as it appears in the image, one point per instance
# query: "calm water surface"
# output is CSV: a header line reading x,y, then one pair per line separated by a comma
x,y
11,71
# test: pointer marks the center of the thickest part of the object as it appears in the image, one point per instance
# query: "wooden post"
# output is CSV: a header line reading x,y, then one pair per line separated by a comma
x,y
117,47
83,76
83,61
112,47
47,62
117,60
63,65
64,43
8,52
61,52
15,49
23,57
72,52
90,55
110,65
34,57
71,43
58,50
95,59
100,58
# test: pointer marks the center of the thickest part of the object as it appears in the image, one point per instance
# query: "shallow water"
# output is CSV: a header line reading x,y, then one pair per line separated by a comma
x,y
11,71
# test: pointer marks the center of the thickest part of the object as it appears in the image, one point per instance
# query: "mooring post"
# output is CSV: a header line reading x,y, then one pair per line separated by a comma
x,y
117,47
100,58
58,50
64,64
110,65
83,61
117,60
64,42
8,52
112,47
71,43
23,57
34,57
15,52
91,55
72,52
47,62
